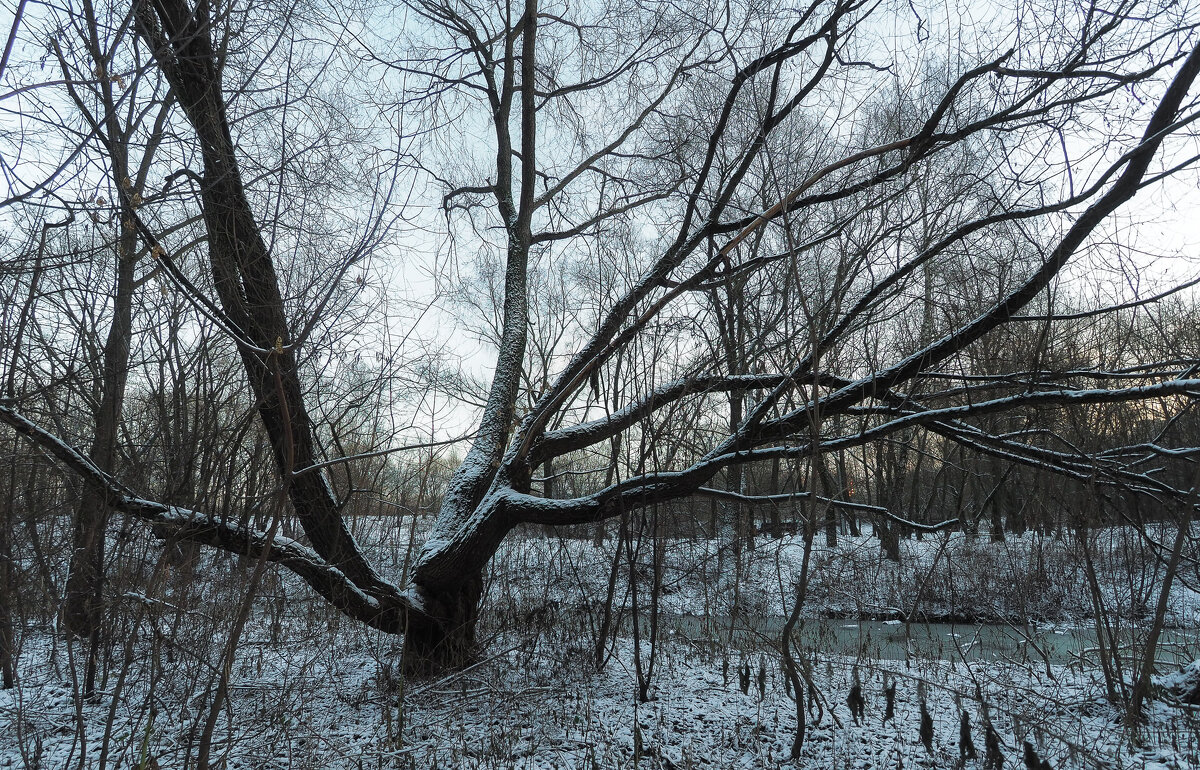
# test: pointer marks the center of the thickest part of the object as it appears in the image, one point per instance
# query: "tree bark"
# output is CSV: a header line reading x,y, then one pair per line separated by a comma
x,y
8,587
246,282
83,602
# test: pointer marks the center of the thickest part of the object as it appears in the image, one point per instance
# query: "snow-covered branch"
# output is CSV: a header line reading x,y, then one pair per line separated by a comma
x,y
384,610
560,442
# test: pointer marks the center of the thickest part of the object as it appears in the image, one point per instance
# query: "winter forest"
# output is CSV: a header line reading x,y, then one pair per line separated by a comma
x,y
602,384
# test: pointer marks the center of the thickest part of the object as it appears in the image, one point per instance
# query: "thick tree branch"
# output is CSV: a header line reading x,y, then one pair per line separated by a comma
x,y
560,442
385,610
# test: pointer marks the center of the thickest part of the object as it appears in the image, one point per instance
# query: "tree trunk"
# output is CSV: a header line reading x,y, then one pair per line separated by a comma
x,y
889,539
445,638
245,280
776,519
8,587
733,513
889,535
83,603
997,522
469,526
833,490
847,483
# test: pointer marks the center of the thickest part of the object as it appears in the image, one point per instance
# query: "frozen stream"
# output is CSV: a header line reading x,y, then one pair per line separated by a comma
x,y
894,640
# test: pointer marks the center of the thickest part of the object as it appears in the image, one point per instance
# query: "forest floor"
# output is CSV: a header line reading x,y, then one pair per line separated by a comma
x,y
310,689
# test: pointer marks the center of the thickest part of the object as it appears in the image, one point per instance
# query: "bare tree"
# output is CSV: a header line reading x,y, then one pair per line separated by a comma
x,y
551,173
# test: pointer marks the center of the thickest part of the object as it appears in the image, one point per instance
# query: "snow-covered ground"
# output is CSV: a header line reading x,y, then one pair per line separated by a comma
x,y
310,689
336,703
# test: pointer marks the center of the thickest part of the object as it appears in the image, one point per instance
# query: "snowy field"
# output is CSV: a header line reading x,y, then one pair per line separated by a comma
x,y
310,689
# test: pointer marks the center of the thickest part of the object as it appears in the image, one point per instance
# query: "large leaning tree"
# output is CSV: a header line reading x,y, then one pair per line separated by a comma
x,y
822,211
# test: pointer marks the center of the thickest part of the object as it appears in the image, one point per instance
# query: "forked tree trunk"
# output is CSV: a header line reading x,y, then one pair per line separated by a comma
x,y
448,641
448,579
246,283
83,603
83,606
440,626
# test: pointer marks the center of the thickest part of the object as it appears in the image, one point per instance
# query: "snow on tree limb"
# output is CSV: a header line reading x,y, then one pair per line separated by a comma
x,y
385,611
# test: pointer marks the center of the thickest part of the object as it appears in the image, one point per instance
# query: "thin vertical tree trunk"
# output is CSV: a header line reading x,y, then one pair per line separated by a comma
x,y
83,608
776,519
1141,686
8,586
848,485
733,511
